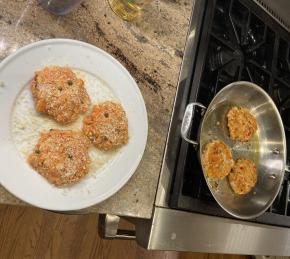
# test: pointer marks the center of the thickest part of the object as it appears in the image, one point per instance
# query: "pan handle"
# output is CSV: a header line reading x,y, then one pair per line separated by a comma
x,y
187,120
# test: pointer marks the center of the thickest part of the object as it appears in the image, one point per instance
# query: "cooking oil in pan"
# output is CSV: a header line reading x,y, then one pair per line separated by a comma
x,y
248,150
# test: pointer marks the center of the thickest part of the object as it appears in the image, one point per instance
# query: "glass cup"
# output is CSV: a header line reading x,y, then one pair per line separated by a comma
x,y
59,7
128,9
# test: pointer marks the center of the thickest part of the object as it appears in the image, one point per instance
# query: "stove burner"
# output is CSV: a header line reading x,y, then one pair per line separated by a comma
x,y
238,41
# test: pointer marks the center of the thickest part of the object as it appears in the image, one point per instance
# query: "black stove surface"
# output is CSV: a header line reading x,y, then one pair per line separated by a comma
x,y
238,41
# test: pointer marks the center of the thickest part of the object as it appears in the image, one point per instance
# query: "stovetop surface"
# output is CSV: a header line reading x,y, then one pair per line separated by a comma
x,y
238,41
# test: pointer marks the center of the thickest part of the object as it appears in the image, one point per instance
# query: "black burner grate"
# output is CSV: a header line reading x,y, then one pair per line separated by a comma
x,y
238,41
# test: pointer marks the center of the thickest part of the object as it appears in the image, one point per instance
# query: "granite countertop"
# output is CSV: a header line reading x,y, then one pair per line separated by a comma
x,y
150,48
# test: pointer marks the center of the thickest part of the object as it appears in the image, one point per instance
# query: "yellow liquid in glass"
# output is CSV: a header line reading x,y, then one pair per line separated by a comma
x,y
126,9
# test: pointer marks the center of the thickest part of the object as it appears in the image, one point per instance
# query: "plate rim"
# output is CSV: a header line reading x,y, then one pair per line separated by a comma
x,y
138,159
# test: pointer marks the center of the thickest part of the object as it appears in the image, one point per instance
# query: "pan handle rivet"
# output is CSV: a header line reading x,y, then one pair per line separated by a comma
x,y
276,151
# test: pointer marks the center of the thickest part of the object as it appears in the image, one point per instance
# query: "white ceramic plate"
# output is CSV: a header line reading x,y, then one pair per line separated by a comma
x,y
17,176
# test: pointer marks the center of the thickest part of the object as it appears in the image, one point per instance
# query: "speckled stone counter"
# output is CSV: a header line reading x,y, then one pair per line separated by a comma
x,y
150,48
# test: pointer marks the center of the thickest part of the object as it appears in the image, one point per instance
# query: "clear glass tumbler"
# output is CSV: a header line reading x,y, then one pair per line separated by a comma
x,y
128,9
59,7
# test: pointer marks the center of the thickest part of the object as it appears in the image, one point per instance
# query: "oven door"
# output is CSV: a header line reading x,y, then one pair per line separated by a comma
x,y
184,231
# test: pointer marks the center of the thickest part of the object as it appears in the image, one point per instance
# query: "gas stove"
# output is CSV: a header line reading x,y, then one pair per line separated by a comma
x,y
238,42
228,40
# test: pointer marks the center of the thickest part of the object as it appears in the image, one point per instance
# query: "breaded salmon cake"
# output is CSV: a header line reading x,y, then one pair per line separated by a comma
x,y
217,159
107,126
243,176
241,123
61,156
60,94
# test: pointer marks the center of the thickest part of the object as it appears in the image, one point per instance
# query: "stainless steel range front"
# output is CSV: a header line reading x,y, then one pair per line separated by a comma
x,y
228,40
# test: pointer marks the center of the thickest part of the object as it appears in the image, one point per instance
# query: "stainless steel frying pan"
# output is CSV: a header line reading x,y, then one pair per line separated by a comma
x,y
267,148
